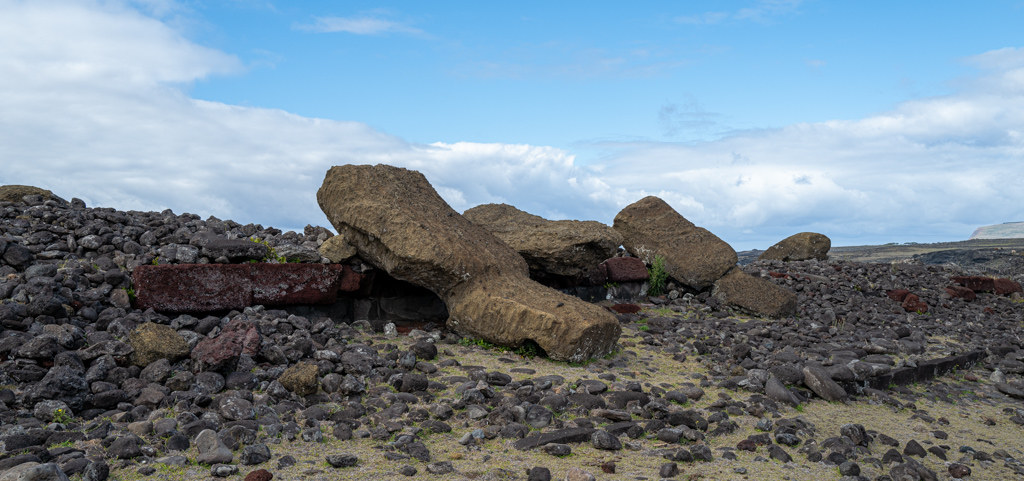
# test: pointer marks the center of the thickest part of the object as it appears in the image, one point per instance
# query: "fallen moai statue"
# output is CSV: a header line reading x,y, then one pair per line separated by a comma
x,y
693,255
697,258
396,221
551,248
799,247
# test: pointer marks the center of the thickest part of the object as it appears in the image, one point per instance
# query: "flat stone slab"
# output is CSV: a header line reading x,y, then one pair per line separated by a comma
x,y
194,288
562,436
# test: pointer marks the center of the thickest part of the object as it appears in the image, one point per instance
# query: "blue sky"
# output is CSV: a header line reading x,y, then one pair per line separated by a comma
x,y
870,122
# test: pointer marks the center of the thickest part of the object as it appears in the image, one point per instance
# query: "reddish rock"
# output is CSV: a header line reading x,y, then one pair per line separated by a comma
x,y
193,288
280,284
215,354
975,283
259,475
897,295
626,269
625,308
961,292
912,303
1005,287
351,280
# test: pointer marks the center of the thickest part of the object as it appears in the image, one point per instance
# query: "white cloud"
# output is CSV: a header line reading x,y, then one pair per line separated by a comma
x,y
91,106
762,11
357,26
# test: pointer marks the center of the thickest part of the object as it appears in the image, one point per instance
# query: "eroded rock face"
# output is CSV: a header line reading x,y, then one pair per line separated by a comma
x,y
396,221
754,295
693,255
567,248
799,247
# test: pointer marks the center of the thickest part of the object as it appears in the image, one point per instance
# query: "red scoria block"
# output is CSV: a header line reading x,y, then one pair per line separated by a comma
x,y
1005,287
193,288
626,269
282,284
975,283
961,292
897,295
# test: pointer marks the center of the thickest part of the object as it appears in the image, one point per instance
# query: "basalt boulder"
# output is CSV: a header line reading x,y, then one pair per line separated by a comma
x,y
560,248
694,256
799,247
398,222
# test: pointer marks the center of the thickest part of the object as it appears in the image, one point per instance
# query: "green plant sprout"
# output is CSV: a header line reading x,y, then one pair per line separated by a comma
x,y
658,277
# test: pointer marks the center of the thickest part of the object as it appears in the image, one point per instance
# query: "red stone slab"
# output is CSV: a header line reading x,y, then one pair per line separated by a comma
x,y
626,269
193,288
282,284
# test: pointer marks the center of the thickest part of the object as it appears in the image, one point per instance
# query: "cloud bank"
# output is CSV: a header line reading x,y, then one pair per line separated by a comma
x,y
93,104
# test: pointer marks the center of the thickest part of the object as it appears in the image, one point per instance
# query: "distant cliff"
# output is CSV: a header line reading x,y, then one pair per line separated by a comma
x,y
1009,230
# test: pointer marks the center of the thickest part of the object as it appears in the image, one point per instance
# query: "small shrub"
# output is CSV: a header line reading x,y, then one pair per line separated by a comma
x,y
658,276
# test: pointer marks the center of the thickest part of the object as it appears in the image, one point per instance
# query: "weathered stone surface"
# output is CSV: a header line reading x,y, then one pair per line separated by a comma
x,y
336,249
235,250
1001,286
817,380
300,379
693,255
193,288
961,292
622,269
397,222
566,248
152,341
280,284
754,295
221,352
799,247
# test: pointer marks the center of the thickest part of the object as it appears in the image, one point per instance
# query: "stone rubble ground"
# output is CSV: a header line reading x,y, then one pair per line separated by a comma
x,y
694,390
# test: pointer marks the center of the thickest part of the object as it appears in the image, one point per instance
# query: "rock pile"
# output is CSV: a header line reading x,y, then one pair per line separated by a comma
x,y
91,383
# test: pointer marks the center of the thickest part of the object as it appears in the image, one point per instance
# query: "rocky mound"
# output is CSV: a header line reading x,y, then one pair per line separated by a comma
x,y
90,385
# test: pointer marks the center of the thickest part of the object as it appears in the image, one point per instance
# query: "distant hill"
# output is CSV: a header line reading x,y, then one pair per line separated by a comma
x,y
1008,230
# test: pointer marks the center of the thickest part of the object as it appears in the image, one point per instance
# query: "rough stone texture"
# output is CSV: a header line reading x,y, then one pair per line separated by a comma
x,y
193,288
235,250
693,255
799,247
754,295
14,193
397,222
152,341
817,380
300,379
567,248
211,449
281,284
221,352
337,249
620,269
